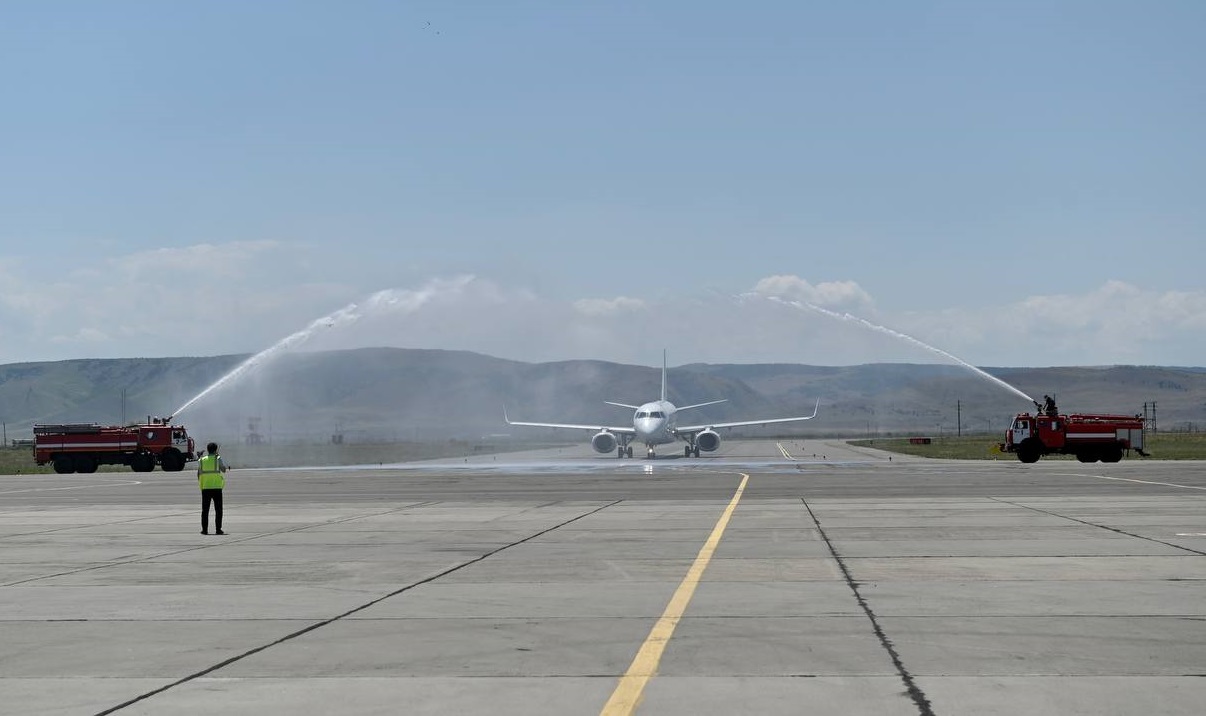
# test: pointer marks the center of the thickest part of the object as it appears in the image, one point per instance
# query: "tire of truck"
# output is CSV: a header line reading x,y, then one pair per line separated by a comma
x,y
1030,450
1087,455
85,464
1111,453
171,460
142,462
64,464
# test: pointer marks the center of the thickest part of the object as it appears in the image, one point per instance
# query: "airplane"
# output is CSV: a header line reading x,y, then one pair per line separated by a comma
x,y
656,423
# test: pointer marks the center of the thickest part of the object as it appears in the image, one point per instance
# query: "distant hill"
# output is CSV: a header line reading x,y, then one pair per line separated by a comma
x,y
384,394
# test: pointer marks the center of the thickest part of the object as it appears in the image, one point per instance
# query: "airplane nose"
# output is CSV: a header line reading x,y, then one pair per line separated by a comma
x,y
651,426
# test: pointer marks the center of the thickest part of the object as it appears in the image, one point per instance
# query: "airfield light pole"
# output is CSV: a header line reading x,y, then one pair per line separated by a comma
x,y
959,417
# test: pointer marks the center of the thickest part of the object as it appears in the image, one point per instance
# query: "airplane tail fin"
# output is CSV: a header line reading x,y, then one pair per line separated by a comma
x,y
663,374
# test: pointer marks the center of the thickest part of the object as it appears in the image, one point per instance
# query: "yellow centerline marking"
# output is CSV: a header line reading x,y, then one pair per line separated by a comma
x,y
783,450
631,688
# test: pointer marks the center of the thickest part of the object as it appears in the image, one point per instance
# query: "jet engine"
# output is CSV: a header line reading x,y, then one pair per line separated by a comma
x,y
604,442
708,440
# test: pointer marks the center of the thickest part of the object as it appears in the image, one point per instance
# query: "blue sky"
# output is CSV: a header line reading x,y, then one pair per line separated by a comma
x,y
1017,183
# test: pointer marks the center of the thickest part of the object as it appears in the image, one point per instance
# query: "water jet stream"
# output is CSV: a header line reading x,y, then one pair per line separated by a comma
x,y
905,337
397,299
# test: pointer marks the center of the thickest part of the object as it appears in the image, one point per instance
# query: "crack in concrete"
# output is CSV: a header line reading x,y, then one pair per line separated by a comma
x,y
914,691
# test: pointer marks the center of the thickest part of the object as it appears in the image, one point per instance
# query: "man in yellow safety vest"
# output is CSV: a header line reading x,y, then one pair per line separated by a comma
x,y
211,477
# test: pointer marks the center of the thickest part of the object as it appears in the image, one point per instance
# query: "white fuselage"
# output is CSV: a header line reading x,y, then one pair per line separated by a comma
x,y
655,422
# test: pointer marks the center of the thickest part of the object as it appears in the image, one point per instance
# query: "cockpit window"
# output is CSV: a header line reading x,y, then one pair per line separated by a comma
x,y
656,414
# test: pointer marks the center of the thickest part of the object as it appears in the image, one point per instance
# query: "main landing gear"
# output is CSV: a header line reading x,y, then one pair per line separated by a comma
x,y
691,451
623,451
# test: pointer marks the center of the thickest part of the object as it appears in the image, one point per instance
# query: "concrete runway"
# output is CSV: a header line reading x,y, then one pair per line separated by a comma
x,y
758,580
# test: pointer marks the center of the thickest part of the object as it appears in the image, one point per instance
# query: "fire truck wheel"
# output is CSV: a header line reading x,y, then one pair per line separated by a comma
x,y
1029,451
63,464
142,463
1113,453
171,460
1087,455
85,464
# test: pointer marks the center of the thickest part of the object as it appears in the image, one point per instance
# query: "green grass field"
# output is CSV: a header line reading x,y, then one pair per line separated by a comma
x,y
1162,446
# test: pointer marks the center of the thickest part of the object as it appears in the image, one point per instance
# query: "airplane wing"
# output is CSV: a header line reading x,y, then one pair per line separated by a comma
x,y
618,430
691,429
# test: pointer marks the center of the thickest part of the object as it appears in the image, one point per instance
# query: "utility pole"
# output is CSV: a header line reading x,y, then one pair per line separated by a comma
x,y
959,417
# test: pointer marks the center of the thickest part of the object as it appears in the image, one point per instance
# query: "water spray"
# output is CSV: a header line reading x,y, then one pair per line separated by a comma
x,y
905,337
403,300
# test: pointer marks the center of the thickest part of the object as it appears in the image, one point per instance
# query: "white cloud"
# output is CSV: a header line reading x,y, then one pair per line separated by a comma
x,y
847,295
83,336
235,259
607,307
213,299
206,299
1114,323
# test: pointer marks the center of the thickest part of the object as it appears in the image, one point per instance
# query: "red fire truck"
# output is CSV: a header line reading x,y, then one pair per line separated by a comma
x,y
81,447
1090,437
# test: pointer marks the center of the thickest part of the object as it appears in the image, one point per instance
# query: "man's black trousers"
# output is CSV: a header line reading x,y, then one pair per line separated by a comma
x,y
214,496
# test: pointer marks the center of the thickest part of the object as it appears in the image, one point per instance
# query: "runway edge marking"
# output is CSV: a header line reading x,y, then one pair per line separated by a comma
x,y
629,692
1135,479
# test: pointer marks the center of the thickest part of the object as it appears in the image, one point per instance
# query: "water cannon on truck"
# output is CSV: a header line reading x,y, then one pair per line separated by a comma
x,y
82,447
